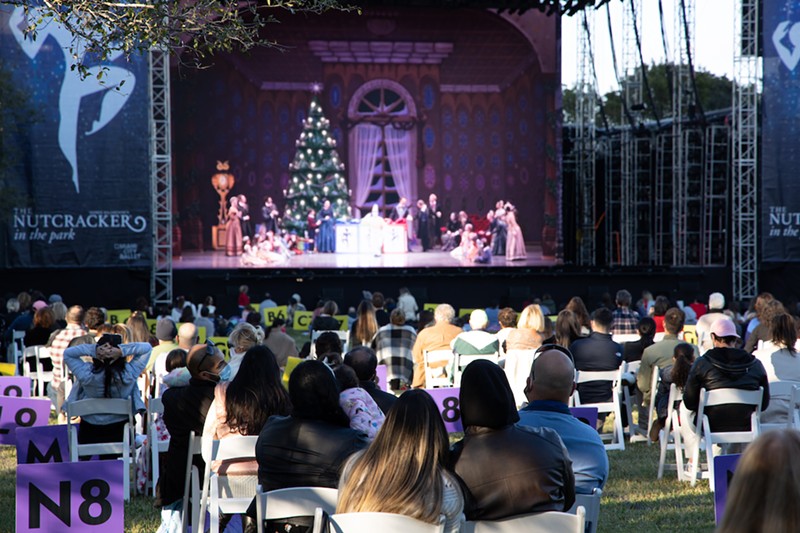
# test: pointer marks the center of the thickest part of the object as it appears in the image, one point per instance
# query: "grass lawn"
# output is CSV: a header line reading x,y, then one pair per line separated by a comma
x,y
633,499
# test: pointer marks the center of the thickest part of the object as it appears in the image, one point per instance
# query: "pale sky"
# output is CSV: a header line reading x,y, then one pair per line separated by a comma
x,y
713,49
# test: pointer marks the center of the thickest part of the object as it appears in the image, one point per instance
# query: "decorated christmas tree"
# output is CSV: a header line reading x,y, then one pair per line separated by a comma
x,y
317,173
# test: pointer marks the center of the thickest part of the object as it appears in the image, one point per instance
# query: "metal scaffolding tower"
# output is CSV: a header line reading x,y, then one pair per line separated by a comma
x,y
585,155
160,179
715,193
747,81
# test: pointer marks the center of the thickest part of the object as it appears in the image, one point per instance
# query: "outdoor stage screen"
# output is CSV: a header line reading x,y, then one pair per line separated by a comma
x,y
74,167
454,110
780,202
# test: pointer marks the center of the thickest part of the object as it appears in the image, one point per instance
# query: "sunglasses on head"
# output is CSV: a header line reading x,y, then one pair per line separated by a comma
x,y
211,349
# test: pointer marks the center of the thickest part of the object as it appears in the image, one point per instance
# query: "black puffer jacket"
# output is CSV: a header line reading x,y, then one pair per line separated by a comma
x,y
726,368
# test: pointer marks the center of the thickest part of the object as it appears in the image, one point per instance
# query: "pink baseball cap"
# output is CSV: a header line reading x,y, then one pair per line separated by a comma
x,y
724,327
38,304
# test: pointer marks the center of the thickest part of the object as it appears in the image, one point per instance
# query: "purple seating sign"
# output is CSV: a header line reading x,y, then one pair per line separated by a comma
x,y
19,386
45,444
447,401
724,466
21,412
383,383
585,414
83,496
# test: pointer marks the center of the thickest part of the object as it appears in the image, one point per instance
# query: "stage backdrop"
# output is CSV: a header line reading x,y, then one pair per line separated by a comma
x,y
75,162
780,201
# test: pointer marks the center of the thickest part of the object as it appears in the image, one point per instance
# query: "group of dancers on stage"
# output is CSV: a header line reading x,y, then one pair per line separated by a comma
x,y
467,238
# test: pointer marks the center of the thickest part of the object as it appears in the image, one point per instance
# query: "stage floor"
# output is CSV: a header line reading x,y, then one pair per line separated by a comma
x,y
414,259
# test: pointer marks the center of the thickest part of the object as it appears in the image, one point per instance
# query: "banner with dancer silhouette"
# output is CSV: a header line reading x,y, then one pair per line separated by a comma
x,y
75,151
780,150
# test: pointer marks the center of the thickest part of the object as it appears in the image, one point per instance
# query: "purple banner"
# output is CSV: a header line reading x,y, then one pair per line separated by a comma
x,y
447,401
21,412
45,444
587,415
724,467
18,386
85,496
383,383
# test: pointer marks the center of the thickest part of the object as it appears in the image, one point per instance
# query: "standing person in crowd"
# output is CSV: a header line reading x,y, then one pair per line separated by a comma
x,y
423,222
365,325
363,361
550,385
499,231
270,215
779,357
243,301
633,350
434,221
326,241
281,344
535,473
393,345
597,352
408,304
716,308
185,410
515,242
233,229
247,227
436,337
577,306
59,342
765,486
405,471
723,367
625,319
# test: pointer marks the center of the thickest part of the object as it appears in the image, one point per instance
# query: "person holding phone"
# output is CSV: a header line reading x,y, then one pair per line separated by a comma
x,y
102,370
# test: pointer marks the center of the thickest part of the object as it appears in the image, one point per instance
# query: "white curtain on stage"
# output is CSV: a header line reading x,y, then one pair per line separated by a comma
x,y
365,155
399,148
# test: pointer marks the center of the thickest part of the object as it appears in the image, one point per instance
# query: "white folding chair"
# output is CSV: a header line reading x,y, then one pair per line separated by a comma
x,y
383,522
533,523
629,372
29,368
229,494
16,348
155,408
622,338
782,392
44,377
671,432
296,501
517,369
591,505
344,336
462,360
709,398
655,380
617,436
191,487
435,377
94,406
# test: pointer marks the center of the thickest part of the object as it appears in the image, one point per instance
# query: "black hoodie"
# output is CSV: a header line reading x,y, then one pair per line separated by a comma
x,y
726,368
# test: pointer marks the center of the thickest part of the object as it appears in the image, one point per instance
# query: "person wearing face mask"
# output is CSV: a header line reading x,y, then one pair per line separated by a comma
x,y
185,410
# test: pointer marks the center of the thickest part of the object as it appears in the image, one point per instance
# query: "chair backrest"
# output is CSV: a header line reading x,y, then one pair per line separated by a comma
x,y
625,337
296,501
92,406
591,505
534,523
463,360
344,336
518,368
587,376
710,398
632,367
433,376
236,447
386,522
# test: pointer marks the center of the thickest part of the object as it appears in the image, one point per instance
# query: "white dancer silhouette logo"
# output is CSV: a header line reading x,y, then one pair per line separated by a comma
x,y
789,57
73,88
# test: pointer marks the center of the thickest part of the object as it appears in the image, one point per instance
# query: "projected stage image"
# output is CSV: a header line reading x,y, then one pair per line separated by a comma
x,y
407,137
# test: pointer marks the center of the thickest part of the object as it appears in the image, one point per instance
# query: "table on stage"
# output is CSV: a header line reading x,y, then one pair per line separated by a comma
x,y
355,238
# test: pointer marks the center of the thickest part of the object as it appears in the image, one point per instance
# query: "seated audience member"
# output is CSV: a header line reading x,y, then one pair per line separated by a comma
x,y
779,357
140,331
185,410
166,333
761,333
243,337
550,385
477,340
632,350
435,337
381,314
597,352
765,486
59,341
507,318
393,345
660,355
44,323
716,308
281,344
365,325
204,321
675,373
625,319
723,367
408,304
508,469
309,447
325,320
107,374
363,360
327,343
364,414
660,308
404,471
568,328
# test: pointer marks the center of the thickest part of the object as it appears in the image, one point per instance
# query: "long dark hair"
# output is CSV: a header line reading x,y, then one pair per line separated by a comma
x,y
111,369
684,357
256,392
315,394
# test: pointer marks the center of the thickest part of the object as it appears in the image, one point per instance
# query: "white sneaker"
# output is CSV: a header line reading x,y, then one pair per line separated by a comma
x,y
638,438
